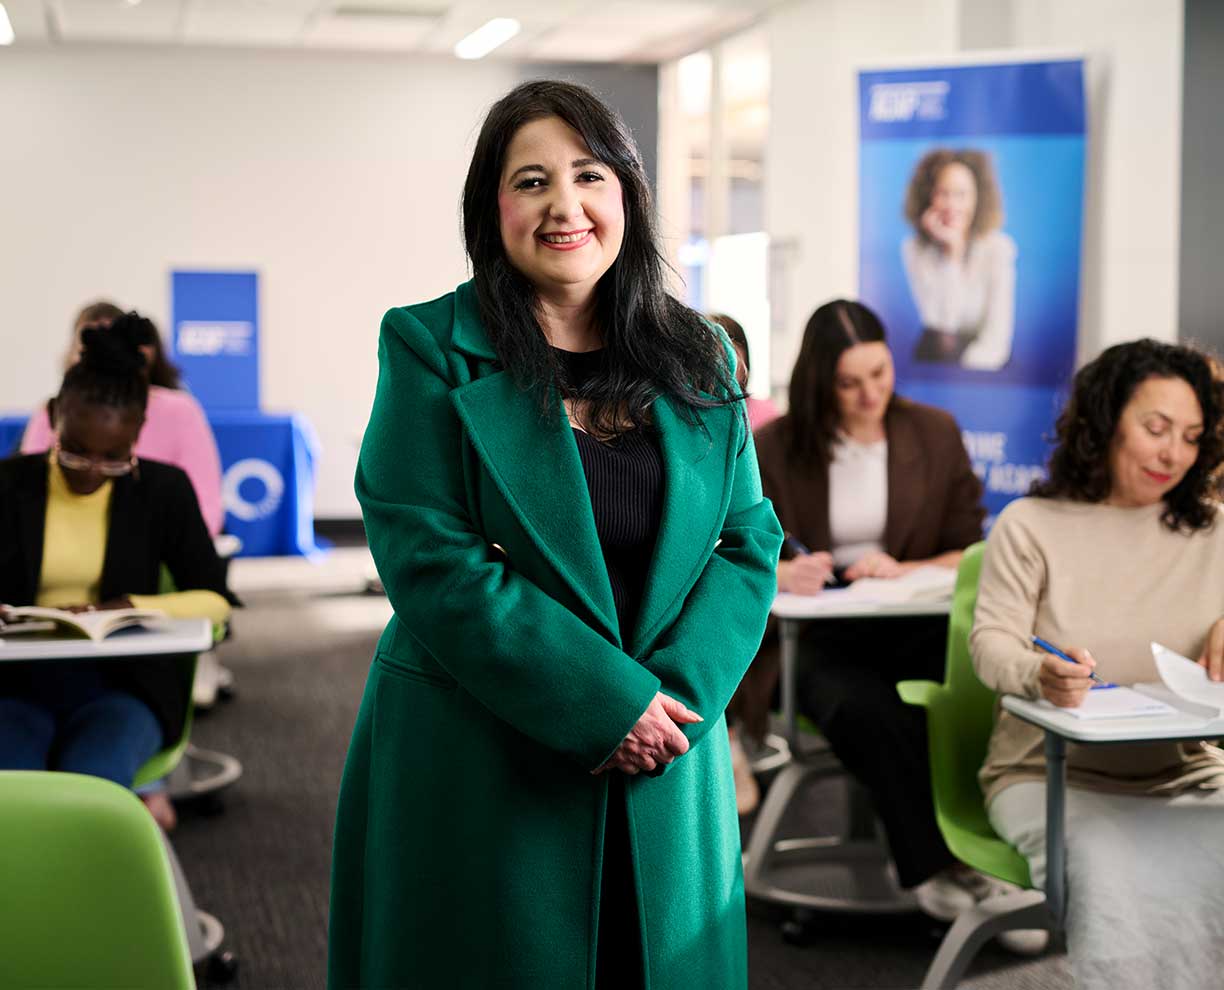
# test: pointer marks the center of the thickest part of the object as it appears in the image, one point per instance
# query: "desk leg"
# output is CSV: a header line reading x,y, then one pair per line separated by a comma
x,y
1056,806
788,661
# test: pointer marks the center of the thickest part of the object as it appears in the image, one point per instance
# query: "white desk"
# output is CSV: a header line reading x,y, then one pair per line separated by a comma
x,y
792,611
848,873
181,636
1060,728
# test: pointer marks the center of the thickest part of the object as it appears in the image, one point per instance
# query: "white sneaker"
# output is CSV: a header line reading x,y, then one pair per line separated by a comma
x,y
1020,941
944,896
1024,941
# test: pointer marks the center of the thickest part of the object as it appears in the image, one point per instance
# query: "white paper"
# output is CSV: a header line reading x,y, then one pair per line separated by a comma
x,y
1117,702
1187,679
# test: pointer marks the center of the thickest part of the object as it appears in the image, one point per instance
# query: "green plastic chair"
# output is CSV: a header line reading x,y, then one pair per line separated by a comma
x,y
960,718
88,896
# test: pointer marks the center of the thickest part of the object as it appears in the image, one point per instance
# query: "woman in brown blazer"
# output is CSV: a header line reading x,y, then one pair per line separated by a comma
x,y
868,484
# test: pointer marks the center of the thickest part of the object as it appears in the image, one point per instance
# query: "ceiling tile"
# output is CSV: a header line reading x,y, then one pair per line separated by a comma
x,y
115,20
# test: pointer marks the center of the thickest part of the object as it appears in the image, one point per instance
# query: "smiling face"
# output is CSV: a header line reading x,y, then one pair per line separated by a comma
x,y
1156,442
863,385
561,212
954,197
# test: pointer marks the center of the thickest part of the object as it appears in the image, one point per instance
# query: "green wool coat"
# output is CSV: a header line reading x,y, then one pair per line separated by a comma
x,y
469,836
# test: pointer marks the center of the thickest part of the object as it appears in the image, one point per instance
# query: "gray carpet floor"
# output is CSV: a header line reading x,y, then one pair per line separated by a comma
x,y
261,862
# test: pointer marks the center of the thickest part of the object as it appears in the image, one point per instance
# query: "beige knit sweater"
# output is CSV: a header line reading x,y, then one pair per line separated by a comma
x,y
1112,580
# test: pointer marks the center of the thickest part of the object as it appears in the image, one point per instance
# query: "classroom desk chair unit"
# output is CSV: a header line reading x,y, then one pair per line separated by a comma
x,y
851,872
183,639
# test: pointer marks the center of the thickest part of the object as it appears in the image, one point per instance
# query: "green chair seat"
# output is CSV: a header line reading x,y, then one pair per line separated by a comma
x,y
88,896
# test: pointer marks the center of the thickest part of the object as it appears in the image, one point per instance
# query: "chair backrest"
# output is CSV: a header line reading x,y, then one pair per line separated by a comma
x,y
960,719
87,897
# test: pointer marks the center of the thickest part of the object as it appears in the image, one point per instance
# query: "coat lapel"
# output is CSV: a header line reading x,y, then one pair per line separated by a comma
x,y
906,482
534,462
696,489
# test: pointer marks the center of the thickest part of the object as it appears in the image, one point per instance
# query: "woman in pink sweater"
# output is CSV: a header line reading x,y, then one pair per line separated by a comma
x,y
175,429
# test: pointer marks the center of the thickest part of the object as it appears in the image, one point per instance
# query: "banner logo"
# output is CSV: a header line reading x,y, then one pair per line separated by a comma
x,y
232,339
892,103
252,468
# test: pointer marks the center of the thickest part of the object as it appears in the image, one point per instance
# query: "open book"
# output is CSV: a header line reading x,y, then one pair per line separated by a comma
x,y
95,625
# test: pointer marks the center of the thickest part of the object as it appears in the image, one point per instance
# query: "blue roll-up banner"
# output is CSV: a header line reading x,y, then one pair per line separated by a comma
x,y
216,337
971,202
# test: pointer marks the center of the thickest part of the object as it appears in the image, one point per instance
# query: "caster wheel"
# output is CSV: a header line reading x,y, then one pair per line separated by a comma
x,y
210,805
227,693
222,967
800,928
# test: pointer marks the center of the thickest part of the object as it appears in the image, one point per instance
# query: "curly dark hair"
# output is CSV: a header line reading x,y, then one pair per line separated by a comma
x,y
1079,465
987,216
112,369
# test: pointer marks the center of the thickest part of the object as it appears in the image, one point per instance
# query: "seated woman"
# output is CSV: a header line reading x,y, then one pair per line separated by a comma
x,y
1122,545
90,526
868,484
760,411
175,431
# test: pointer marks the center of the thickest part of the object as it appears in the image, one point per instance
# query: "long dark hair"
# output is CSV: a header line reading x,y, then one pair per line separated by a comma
x,y
111,371
1079,464
104,313
654,345
833,329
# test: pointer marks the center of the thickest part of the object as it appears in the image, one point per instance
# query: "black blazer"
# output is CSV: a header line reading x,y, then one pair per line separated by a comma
x,y
154,520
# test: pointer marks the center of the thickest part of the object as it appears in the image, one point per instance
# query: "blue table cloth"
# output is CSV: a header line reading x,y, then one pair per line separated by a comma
x,y
268,465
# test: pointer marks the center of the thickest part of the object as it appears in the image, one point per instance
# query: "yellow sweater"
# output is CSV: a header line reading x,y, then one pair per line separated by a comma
x,y
74,549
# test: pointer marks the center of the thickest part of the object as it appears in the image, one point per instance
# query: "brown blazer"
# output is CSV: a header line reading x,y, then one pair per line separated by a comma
x,y
934,505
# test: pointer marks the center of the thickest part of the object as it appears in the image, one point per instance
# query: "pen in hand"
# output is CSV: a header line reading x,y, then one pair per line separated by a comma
x,y
797,547
1051,648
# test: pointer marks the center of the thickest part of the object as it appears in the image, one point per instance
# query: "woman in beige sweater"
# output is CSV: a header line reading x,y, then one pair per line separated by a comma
x,y
1121,546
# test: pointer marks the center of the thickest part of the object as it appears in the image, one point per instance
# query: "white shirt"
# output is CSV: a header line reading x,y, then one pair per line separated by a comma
x,y
858,499
975,297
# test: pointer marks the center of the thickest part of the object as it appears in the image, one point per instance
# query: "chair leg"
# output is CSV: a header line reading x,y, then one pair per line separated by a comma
x,y
769,817
204,932
970,931
201,772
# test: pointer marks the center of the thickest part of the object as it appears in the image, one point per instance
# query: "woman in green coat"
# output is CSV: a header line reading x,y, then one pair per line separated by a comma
x,y
562,498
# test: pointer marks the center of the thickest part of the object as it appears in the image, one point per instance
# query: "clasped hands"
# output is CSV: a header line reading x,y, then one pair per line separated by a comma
x,y
655,740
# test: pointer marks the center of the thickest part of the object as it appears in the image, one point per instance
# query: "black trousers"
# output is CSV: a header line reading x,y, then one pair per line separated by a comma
x,y
618,955
848,672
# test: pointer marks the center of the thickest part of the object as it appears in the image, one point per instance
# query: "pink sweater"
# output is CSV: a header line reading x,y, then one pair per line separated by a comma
x,y
175,432
760,412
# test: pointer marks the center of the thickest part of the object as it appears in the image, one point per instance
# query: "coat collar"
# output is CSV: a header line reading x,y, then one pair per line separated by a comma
x,y
467,331
533,460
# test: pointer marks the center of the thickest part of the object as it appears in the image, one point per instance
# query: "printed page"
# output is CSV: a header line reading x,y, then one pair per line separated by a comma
x,y
1187,679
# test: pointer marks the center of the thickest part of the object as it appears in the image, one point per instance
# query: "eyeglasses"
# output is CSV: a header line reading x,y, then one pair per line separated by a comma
x,y
78,462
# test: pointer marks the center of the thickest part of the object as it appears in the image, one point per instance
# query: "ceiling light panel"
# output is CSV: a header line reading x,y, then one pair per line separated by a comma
x,y
108,20
369,28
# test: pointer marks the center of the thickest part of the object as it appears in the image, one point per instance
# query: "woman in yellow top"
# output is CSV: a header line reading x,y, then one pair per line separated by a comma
x,y
88,526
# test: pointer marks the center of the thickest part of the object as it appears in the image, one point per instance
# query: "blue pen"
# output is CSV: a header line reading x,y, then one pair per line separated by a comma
x,y
1051,648
797,547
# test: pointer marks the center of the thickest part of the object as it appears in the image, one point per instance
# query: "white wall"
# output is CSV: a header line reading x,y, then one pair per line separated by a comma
x,y
811,159
1130,258
337,177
